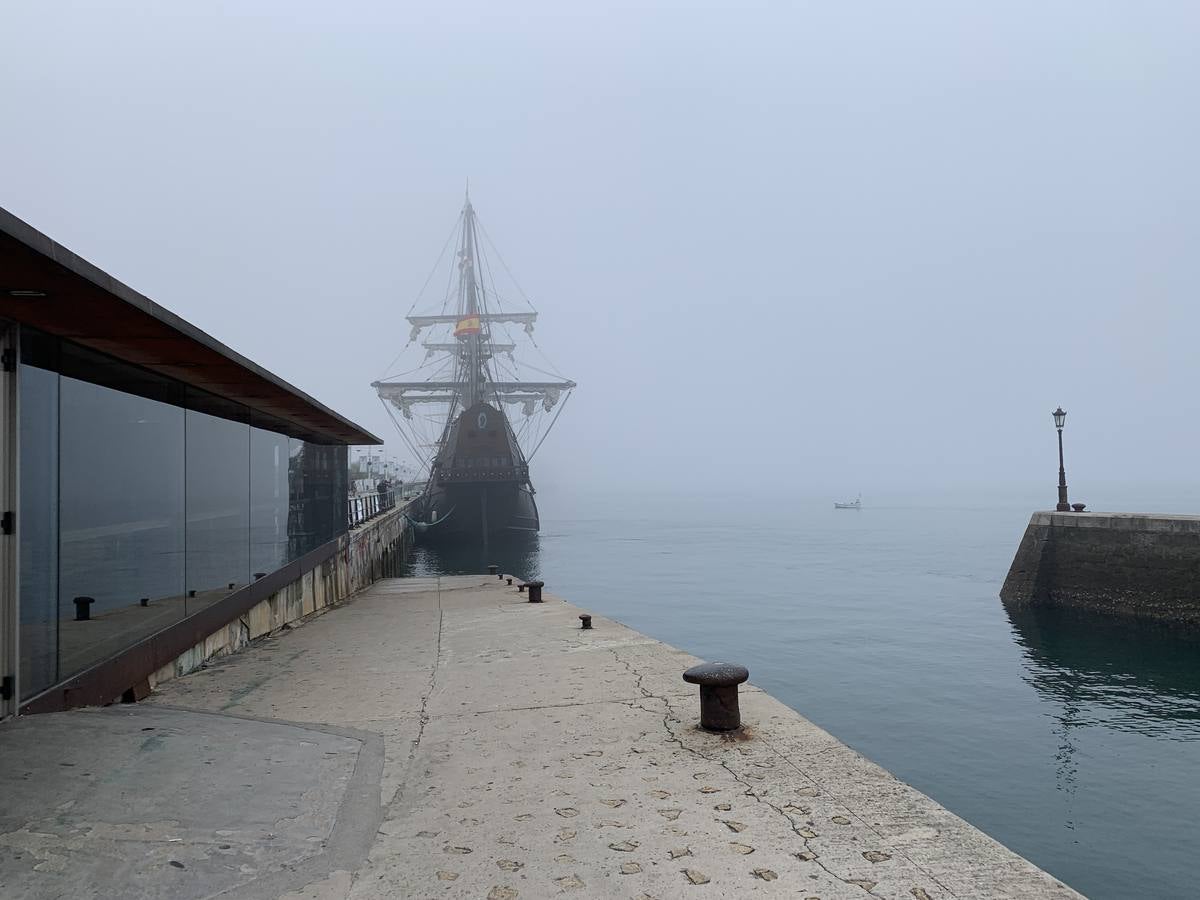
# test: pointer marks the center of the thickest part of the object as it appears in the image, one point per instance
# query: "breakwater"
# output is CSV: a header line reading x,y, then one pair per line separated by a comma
x,y
1130,564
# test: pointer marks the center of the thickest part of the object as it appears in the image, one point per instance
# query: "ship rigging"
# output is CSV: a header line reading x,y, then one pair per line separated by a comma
x,y
474,370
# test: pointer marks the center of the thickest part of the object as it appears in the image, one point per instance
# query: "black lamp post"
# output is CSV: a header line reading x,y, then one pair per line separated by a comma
x,y
1060,418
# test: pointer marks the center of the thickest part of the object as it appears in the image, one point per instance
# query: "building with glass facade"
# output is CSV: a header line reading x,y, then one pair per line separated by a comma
x,y
155,483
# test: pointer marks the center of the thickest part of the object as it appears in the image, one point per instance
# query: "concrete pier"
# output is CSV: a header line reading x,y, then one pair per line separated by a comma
x,y
445,738
1130,564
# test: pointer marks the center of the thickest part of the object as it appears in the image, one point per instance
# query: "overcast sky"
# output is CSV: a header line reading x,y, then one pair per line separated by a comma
x,y
832,246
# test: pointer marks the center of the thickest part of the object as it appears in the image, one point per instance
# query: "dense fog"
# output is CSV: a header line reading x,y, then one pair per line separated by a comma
x,y
816,247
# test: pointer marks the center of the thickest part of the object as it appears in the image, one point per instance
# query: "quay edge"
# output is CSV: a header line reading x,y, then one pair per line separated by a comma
x,y
477,745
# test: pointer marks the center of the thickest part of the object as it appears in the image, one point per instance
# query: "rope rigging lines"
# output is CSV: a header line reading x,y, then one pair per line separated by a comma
x,y
483,352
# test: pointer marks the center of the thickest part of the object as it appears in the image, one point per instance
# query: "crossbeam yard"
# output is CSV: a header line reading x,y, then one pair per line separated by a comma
x,y
389,389
517,318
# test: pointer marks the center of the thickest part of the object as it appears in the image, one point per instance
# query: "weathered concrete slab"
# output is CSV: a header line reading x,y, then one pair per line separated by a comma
x,y
142,802
526,758
559,761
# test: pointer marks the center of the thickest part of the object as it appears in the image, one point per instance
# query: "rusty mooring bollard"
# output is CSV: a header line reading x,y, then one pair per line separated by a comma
x,y
521,588
585,621
718,693
191,593
535,590
510,582
492,570
145,601
82,612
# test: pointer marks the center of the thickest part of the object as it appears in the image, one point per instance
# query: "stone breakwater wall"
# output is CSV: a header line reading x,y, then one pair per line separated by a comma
x,y
375,550
1129,564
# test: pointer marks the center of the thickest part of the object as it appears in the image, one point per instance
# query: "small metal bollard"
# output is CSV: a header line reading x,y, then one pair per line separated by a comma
x,y
510,582
492,570
718,694
82,611
145,601
231,584
521,588
585,622
191,593
535,590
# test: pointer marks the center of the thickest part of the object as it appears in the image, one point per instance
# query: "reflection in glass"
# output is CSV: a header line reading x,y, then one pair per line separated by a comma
x,y
318,481
218,508
268,500
120,517
38,519
152,499
298,538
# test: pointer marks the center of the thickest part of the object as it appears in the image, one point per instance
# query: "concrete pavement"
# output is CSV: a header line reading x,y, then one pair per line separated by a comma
x,y
445,738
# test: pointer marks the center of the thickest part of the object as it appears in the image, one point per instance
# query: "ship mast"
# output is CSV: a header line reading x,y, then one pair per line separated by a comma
x,y
468,307
472,348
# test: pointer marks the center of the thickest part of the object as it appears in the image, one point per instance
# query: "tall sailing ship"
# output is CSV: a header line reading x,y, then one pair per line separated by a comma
x,y
455,420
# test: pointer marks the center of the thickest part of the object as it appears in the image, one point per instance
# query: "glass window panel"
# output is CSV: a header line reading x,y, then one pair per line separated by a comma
x,y
218,508
37,523
302,527
339,489
269,459
318,485
121,518
136,488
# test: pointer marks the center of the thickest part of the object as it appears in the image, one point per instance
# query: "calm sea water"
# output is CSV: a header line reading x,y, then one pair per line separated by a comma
x,y
1073,740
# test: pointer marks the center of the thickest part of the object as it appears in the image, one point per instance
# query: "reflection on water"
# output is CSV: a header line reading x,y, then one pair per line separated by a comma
x,y
1131,676
517,555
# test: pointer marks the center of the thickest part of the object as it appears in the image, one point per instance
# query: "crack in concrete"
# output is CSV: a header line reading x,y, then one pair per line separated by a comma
x,y
433,672
627,701
882,837
634,672
423,716
816,858
749,791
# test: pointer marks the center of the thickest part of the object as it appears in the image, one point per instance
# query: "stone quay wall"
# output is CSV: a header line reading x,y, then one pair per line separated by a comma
x,y
375,550
1129,564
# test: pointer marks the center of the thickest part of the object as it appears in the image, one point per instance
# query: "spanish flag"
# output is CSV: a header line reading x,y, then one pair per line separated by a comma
x,y
467,325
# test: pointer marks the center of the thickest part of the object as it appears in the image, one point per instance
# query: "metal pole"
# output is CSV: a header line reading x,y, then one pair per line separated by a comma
x,y
1063,505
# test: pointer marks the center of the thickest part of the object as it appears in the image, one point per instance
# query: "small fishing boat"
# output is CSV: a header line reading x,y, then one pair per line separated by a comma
x,y
852,504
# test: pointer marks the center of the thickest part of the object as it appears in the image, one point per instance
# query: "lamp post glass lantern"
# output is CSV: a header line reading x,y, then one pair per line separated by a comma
x,y
1060,418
